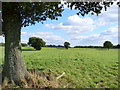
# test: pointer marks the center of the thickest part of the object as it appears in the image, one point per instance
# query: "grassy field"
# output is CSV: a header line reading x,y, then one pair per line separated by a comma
x,y
86,68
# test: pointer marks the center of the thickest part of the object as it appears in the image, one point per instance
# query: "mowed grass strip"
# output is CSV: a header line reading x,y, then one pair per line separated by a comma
x,y
83,67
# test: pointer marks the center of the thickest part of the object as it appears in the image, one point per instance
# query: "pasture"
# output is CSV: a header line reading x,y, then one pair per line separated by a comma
x,y
83,67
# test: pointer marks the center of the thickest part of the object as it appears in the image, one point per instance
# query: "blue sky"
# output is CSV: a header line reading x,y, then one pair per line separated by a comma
x,y
78,30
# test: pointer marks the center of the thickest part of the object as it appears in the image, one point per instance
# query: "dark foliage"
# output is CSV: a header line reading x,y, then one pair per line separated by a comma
x,y
2,44
116,46
37,43
88,47
107,44
66,45
24,45
54,46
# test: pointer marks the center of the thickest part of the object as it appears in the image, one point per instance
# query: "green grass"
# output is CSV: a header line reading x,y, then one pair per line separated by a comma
x,y
83,67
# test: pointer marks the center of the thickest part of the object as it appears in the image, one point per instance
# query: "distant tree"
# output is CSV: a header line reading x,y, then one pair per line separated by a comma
x,y
66,45
24,45
2,44
118,46
107,44
37,43
60,46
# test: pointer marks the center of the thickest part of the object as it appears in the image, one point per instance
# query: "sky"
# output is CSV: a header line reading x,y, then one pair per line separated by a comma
x,y
78,30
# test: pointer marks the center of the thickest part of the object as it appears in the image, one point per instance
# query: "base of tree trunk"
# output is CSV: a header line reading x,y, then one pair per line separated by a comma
x,y
36,80
21,82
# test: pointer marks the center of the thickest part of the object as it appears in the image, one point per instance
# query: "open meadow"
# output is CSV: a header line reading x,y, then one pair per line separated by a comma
x,y
83,67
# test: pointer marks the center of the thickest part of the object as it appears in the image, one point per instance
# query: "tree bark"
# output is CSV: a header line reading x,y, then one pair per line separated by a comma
x,y
14,68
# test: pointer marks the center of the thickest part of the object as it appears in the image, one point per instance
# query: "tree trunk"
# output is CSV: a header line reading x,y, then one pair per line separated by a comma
x,y
14,67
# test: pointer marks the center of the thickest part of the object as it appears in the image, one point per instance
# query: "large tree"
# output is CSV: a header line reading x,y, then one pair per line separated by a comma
x,y
22,14
36,42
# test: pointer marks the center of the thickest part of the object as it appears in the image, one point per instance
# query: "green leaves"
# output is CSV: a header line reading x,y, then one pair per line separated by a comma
x,y
107,44
32,12
89,7
66,45
37,43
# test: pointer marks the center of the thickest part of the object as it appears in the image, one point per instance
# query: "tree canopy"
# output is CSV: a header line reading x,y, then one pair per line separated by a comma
x,y
66,45
30,12
107,44
37,43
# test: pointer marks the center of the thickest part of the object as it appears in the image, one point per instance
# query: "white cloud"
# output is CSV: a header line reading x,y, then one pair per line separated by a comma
x,y
24,41
74,25
77,25
24,33
76,20
48,37
111,31
2,39
111,34
108,17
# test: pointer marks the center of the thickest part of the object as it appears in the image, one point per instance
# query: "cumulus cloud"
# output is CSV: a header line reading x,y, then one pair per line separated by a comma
x,y
111,31
77,25
24,41
74,25
48,37
108,17
111,34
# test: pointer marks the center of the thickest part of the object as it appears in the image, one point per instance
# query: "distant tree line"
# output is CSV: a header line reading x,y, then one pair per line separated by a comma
x,y
24,45
54,46
43,45
2,44
66,45
115,46
88,47
106,44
